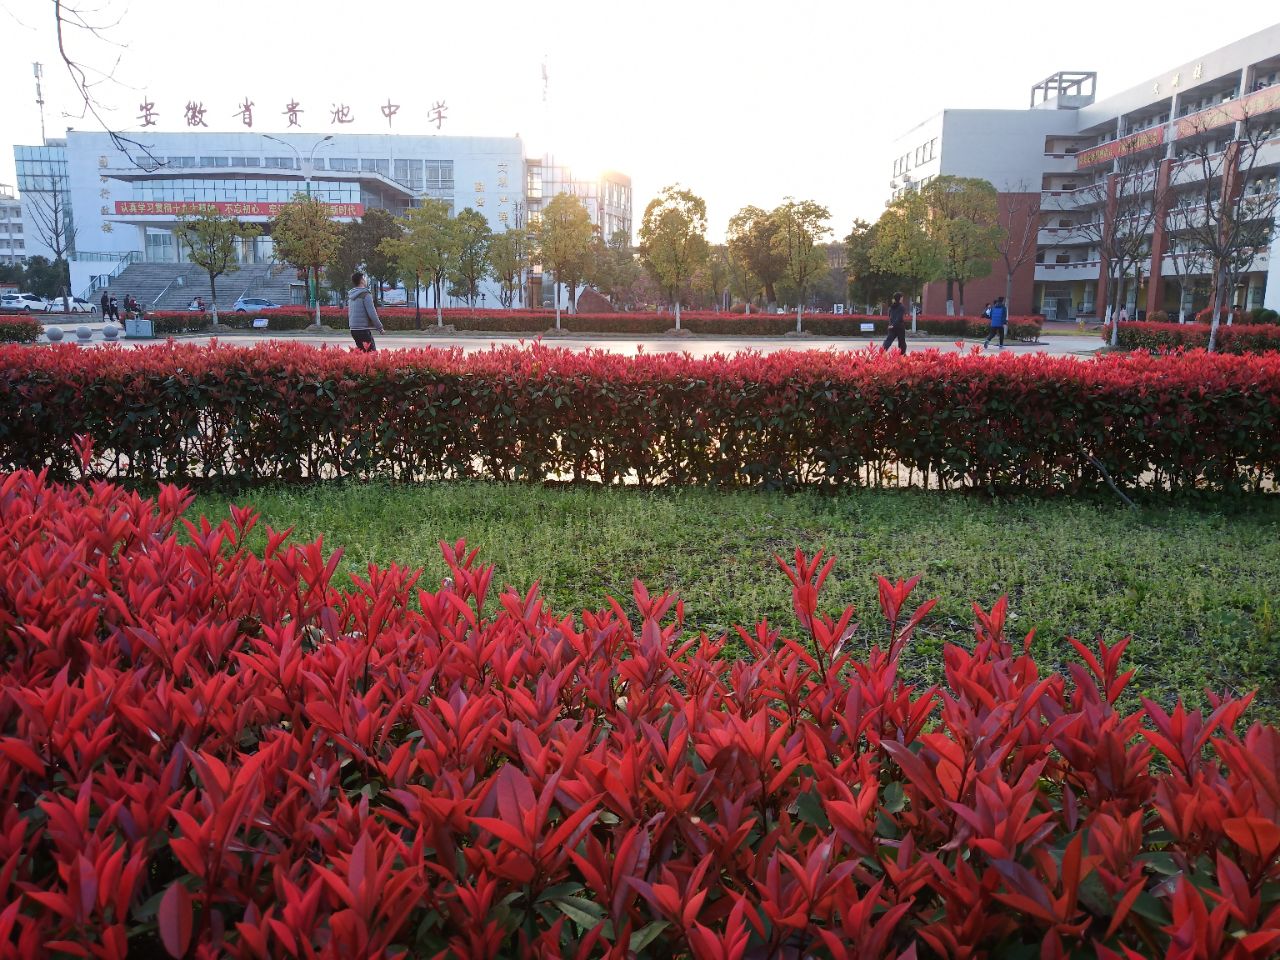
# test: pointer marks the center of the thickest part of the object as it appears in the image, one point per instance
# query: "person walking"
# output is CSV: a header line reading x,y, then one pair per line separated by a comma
x,y
106,305
362,316
114,307
999,316
897,324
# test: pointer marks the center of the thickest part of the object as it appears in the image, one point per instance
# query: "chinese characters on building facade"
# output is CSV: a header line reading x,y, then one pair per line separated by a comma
x,y
193,114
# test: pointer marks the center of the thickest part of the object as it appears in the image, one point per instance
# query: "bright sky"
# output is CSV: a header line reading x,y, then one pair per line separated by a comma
x,y
744,102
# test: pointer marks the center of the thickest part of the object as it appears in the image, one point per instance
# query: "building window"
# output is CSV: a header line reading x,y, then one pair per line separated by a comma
x,y
439,175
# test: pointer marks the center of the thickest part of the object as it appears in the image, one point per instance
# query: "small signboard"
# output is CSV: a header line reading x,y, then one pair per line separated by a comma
x,y
259,323
838,308
867,327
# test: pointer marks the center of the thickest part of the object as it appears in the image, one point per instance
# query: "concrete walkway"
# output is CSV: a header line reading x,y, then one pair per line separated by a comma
x,y
697,346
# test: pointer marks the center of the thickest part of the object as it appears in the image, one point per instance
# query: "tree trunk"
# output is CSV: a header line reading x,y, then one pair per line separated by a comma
x,y
960,284
417,301
316,288
1113,312
213,296
677,313
951,303
555,298
1213,321
769,295
1008,292
799,312
439,310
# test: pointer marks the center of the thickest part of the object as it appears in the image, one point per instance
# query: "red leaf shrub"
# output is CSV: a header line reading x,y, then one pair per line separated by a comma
x,y
19,329
207,751
1233,338
281,411
539,321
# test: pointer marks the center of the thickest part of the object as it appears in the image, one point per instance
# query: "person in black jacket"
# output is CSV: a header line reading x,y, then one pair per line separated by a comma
x,y
106,306
897,324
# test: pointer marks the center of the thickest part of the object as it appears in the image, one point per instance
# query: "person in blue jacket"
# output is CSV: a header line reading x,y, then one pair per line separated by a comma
x,y
999,315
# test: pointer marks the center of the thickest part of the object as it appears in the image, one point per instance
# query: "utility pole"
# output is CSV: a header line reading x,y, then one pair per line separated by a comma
x,y
37,70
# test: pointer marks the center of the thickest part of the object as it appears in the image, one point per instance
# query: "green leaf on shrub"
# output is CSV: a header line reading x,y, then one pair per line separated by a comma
x,y
809,809
646,935
895,798
585,913
1149,908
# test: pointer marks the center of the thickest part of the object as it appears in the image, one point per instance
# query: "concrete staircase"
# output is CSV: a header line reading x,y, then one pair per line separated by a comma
x,y
170,286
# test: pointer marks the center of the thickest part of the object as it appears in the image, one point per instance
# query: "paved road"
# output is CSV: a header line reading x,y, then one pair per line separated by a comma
x,y
702,346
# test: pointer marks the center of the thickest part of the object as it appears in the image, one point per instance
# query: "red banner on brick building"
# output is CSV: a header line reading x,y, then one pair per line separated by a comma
x,y
183,208
1106,152
1258,102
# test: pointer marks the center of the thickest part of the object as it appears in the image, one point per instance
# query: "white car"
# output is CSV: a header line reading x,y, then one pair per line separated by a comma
x,y
254,304
27,302
74,305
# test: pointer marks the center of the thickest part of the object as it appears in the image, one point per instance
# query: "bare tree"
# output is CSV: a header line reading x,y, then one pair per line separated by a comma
x,y
92,19
1191,262
1126,204
1019,222
1235,201
51,214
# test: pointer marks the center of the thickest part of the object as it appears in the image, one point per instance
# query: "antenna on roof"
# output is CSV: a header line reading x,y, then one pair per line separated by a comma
x,y
37,71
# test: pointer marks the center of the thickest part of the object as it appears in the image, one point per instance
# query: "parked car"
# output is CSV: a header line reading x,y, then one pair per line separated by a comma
x,y
254,304
24,301
74,305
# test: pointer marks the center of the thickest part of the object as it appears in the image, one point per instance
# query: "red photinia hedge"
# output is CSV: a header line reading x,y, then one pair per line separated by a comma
x,y
206,751
291,412
19,329
539,321
1232,338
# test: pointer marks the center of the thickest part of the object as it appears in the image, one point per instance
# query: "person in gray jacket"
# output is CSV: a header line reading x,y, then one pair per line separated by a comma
x,y
362,316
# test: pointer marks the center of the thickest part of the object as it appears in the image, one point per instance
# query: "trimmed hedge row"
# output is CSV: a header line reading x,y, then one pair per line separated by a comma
x,y
1233,338
535,322
290,412
19,329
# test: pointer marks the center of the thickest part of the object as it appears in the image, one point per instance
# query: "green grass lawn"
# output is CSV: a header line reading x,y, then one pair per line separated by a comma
x,y
1197,589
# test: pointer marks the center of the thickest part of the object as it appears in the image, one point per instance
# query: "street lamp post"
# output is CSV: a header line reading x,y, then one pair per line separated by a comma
x,y
313,293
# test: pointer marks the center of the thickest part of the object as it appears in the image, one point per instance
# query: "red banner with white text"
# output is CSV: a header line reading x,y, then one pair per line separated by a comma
x,y
184,208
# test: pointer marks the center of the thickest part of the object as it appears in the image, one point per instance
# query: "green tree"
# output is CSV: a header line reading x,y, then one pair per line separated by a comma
x,y
347,256
211,240
471,261
751,240
508,259
564,244
869,284
717,274
360,247
743,284
963,220
41,276
307,237
673,240
615,271
801,225
903,247
426,248
375,226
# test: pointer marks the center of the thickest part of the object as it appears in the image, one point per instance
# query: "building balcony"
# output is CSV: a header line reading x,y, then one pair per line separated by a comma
x,y
1067,272
1051,200
1059,163
1062,237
